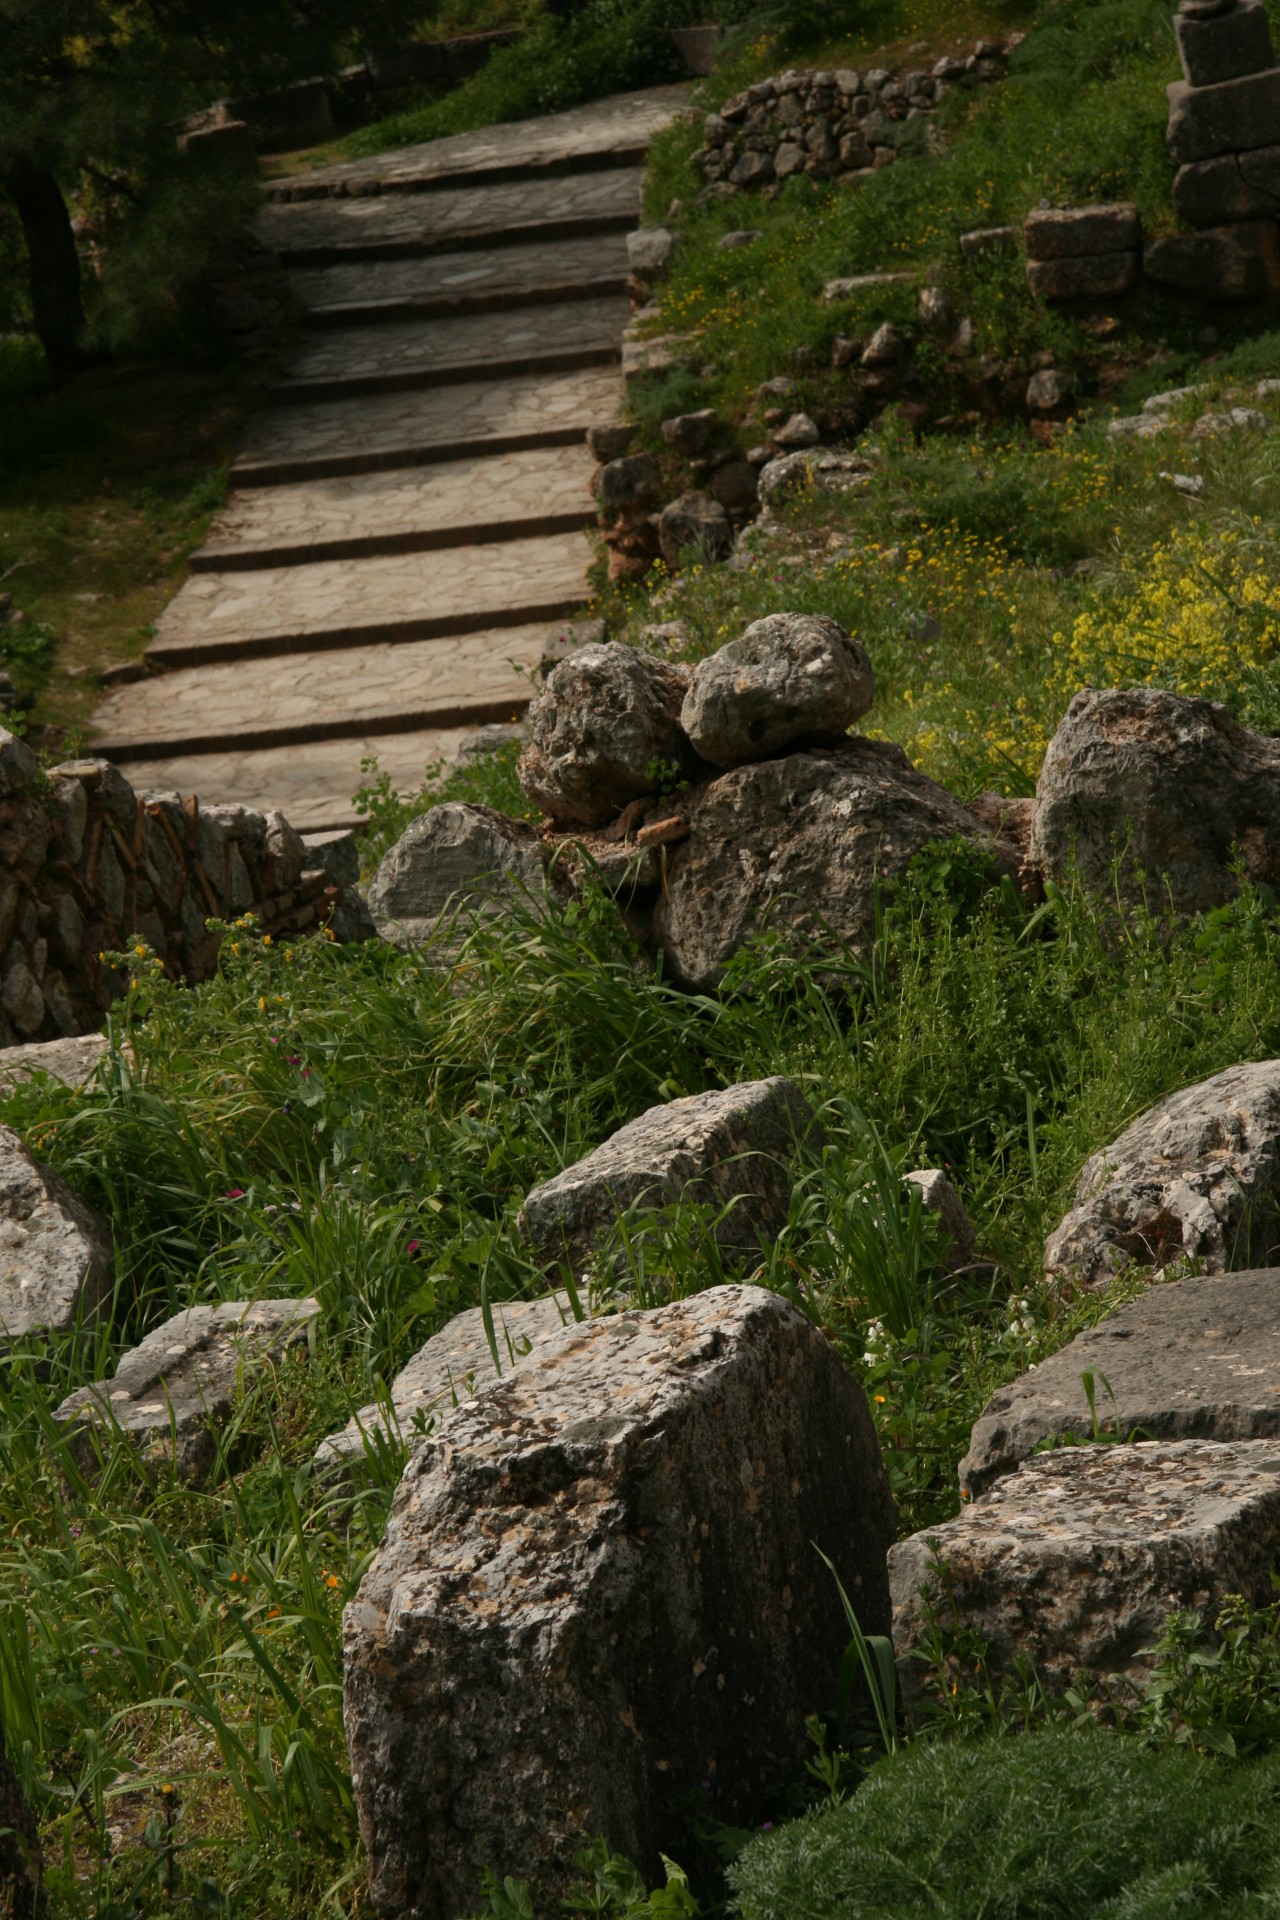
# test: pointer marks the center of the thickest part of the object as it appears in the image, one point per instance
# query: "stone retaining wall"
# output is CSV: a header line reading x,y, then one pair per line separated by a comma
x,y
85,863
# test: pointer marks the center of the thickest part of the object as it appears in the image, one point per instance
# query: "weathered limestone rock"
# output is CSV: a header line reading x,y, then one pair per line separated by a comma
x,y
56,1259
1237,262
1095,276
1067,233
796,433
1171,785
734,1147
1225,45
629,481
599,1587
691,433
1232,117
800,844
1196,1359
1196,1177
607,717
450,865
649,253
1075,1560
21,1863
794,473
454,1364
1047,390
789,677
71,1061
694,520
938,1196
171,1393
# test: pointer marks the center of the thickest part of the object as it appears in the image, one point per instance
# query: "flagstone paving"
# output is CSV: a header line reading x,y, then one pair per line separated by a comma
x,y
407,526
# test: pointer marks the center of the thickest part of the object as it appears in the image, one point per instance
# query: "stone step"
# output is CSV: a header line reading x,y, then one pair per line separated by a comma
x,y
394,431
480,282
312,785
479,499
324,232
603,135
458,680
353,361
333,603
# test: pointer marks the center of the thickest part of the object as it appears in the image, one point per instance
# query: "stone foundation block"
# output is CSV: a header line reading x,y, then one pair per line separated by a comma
x,y
1240,262
1226,45
1233,117
1068,233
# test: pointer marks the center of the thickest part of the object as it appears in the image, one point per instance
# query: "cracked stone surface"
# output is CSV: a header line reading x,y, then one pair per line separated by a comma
x,y
330,596
439,417
601,128
459,496
410,217
459,340
363,683
504,270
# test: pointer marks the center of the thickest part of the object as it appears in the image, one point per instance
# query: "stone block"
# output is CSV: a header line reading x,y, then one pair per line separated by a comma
x,y
649,253
982,243
71,1061
606,720
939,1197
453,1365
599,1587
56,1259
1233,117
1074,1561
1218,192
1194,1359
1068,233
337,853
1226,45
731,1149
171,1394
1240,262
1099,276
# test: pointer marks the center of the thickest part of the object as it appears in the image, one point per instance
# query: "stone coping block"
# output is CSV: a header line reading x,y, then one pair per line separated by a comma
x,y
1193,1359
1233,117
600,1586
454,1364
1075,1561
173,1391
56,1259
1236,262
1067,233
1226,45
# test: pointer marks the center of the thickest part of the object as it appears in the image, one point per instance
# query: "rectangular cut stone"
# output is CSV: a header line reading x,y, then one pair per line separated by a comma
x,y
1214,193
1075,1561
1238,262
1234,117
1226,45
1064,233
1098,276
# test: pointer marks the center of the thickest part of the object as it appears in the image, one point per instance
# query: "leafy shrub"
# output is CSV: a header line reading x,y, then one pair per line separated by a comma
x,y
1053,1825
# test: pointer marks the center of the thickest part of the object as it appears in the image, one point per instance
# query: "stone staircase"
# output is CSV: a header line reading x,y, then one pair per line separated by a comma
x,y
407,520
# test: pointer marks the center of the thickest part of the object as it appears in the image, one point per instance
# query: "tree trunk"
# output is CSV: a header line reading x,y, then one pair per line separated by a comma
x,y
57,308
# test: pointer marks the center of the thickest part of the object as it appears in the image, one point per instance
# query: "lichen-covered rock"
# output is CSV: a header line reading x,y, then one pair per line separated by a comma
x,y
605,730
454,1364
21,1862
793,474
1196,1359
599,1587
1167,787
1075,1561
1195,1177
790,677
696,520
736,1145
451,865
801,844
56,1260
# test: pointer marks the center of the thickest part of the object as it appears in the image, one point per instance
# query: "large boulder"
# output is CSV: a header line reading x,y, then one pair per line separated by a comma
x,y
732,1149
601,1586
1197,1359
801,844
452,865
790,677
21,1861
454,1364
1196,1177
605,730
1075,1561
1170,788
172,1394
56,1261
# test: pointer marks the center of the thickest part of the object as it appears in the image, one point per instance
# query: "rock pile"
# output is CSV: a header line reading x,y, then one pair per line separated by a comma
x,y
85,862
830,125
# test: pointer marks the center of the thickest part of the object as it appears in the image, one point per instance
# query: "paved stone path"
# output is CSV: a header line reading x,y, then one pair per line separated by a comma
x,y
407,523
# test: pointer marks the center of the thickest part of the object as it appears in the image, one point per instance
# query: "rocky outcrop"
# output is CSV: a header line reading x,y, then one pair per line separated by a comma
x,y
454,1364
1197,1359
449,867
605,731
599,1587
174,1393
1158,793
1196,1177
56,1261
791,677
801,845
732,1150
1075,1561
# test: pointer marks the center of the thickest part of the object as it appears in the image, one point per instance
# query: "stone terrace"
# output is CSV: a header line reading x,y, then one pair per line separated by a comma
x,y
407,521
